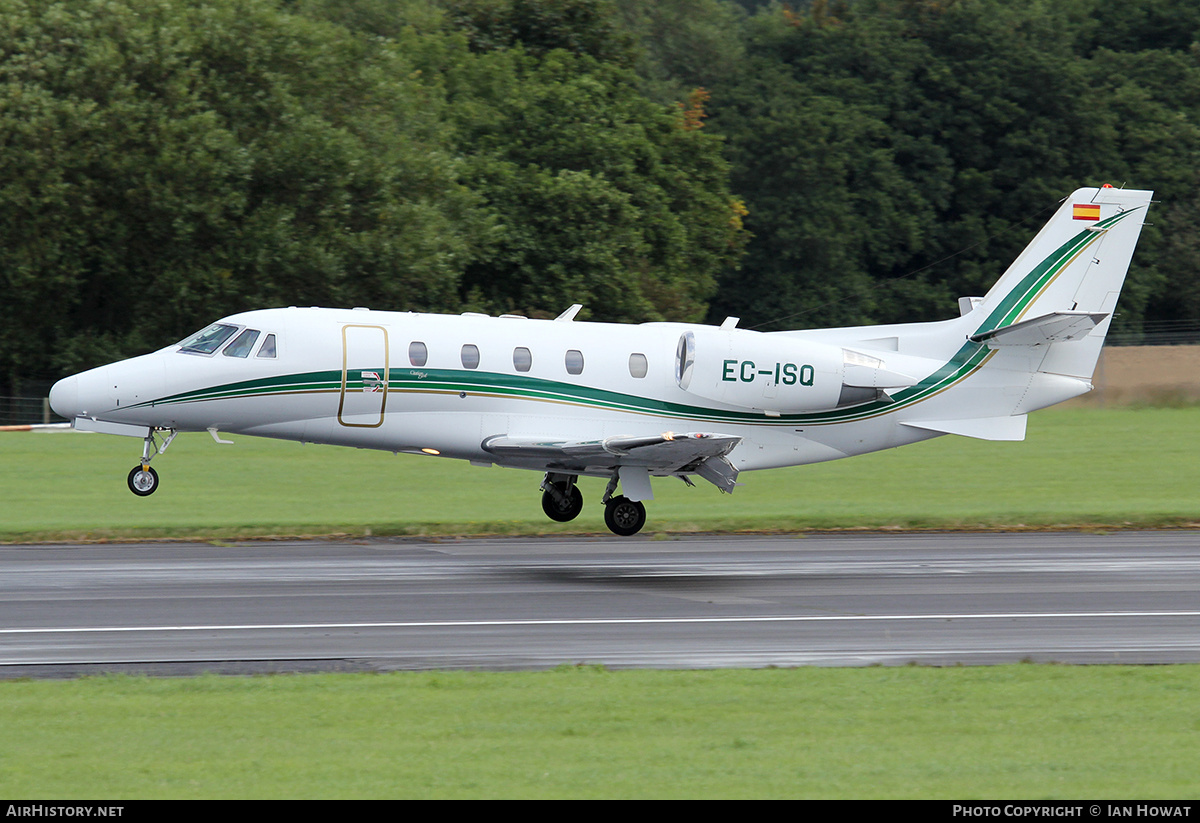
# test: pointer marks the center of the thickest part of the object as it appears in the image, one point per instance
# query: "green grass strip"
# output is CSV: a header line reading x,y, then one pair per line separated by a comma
x,y
1079,468
1016,731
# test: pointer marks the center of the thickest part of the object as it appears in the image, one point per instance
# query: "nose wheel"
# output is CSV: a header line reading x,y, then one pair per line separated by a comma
x,y
143,480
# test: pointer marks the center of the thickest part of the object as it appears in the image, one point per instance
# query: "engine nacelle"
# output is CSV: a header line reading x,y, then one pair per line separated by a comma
x,y
777,374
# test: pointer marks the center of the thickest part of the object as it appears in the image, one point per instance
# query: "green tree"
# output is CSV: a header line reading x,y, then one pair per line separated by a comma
x,y
582,27
825,174
897,153
684,44
164,162
598,195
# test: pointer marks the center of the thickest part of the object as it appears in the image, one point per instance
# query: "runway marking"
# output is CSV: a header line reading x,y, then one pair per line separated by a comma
x,y
598,621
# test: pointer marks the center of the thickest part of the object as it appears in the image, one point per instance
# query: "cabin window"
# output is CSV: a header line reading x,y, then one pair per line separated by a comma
x,y
470,356
267,349
243,344
418,354
522,359
637,365
574,361
208,340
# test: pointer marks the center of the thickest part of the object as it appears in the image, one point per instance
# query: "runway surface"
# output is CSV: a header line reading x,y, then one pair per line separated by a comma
x,y
519,603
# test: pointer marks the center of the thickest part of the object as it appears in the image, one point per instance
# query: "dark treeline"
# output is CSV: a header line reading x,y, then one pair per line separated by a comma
x,y
164,162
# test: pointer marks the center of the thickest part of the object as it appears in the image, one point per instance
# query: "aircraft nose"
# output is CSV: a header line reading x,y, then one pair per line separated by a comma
x,y
64,397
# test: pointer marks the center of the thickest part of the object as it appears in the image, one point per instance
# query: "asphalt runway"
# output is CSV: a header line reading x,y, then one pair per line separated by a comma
x,y
532,603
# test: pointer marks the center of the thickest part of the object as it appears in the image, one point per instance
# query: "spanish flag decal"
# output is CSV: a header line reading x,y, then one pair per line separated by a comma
x,y
1086,211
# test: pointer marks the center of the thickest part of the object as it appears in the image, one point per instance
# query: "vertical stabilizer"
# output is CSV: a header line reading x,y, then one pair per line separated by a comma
x,y
1074,268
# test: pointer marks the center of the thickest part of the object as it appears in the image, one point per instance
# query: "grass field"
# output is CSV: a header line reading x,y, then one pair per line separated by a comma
x,y
1018,731
1080,467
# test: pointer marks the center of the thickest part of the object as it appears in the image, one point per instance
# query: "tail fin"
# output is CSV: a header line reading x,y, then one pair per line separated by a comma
x,y
1061,291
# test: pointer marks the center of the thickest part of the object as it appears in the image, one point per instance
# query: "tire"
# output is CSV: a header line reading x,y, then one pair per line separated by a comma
x,y
143,482
563,511
624,516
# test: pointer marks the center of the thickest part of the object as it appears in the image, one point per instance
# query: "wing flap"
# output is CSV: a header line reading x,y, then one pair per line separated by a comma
x,y
720,472
667,453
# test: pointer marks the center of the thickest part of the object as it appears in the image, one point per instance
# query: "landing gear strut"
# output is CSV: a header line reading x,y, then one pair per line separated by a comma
x,y
561,498
143,480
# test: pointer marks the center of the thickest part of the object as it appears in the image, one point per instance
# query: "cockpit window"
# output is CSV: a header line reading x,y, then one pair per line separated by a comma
x,y
242,344
268,347
208,340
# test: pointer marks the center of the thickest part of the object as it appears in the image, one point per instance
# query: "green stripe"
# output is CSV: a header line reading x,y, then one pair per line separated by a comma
x,y
282,384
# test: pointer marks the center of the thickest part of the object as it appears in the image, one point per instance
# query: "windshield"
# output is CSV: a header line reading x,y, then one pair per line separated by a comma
x,y
208,340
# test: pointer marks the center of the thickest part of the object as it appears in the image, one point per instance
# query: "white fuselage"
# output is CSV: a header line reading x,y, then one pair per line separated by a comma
x,y
533,378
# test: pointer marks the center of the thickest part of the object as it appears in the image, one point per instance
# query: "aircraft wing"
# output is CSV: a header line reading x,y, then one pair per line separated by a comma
x,y
701,453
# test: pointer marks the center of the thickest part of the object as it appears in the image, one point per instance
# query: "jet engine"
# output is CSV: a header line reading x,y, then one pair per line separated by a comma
x,y
778,374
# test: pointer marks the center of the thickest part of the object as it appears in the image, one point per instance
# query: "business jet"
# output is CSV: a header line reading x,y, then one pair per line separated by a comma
x,y
630,402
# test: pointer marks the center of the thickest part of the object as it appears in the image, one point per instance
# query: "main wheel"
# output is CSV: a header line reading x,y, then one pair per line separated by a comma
x,y
143,481
560,509
624,516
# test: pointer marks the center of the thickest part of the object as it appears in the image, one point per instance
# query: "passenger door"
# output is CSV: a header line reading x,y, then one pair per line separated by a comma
x,y
364,376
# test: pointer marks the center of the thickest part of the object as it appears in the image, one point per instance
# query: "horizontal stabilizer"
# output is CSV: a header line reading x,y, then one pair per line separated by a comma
x,y
981,428
1054,327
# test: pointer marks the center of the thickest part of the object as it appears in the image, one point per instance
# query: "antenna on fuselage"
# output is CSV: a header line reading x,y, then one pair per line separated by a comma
x,y
570,313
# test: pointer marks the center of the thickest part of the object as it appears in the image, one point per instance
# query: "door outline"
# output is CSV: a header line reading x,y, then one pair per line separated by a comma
x,y
363,386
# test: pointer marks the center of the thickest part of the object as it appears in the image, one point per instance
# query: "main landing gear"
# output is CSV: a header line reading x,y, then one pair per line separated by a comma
x,y
562,501
143,480
624,516
561,498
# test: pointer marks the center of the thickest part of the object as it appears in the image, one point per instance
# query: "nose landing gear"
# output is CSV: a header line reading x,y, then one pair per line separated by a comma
x,y
143,480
